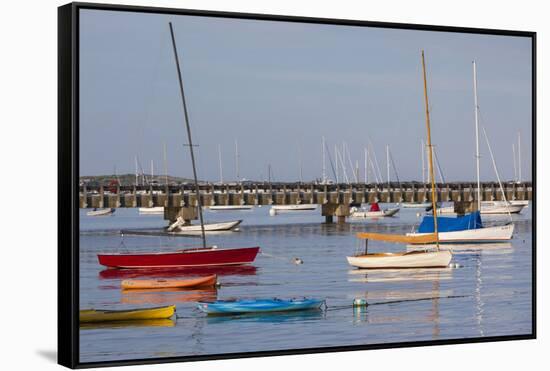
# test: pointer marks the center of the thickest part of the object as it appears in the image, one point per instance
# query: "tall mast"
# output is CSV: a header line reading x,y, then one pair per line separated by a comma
x,y
237,160
137,176
430,157
336,160
515,165
519,157
324,176
165,165
366,167
476,110
188,126
388,164
152,170
343,160
220,163
301,164
351,165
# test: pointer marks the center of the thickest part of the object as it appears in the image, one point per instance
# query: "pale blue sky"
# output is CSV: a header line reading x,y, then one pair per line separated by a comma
x,y
277,87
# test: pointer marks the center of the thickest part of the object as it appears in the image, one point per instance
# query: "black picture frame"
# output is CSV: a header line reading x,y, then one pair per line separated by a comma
x,y
68,181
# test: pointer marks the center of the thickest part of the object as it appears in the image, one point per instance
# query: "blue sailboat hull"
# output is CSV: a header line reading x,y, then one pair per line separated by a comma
x,y
259,306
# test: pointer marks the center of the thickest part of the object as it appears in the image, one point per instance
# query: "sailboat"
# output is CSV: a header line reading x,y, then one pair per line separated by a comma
x,y
195,257
414,259
492,207
469,228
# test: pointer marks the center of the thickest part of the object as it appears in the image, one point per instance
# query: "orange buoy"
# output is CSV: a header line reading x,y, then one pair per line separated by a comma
x,y
208,281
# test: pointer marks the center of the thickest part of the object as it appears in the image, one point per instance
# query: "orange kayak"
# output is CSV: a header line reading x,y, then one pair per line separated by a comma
x,y
208,281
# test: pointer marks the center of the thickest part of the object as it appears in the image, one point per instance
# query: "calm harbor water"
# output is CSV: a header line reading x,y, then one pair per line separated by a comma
x,y
490,294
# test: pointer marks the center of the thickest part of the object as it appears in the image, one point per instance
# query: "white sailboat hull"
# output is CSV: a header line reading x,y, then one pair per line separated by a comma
x,y
488,209
502,203
501,209
158,210
374,214
298,207
230,207
417,259
208,227
291,208
480,235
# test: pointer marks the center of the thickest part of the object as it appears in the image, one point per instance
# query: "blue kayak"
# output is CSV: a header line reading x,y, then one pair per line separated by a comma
x,y
258,305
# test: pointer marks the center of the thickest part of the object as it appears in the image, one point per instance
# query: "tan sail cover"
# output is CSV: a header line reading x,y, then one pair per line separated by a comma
x,y
427,238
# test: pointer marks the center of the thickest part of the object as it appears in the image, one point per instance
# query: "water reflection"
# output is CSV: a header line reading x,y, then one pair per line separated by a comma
x,y
489,295
128,324
240,270
399,275
167,296
504,247
274,317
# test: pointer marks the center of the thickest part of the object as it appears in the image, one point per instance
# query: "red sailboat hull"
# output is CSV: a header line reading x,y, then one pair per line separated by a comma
x,y
184,258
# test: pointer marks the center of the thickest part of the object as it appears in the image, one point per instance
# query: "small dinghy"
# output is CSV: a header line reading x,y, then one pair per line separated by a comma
x,y
93,315
259,306
100,212
208,281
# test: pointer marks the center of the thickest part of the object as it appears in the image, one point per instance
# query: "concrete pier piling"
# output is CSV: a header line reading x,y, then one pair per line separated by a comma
x,y
335,199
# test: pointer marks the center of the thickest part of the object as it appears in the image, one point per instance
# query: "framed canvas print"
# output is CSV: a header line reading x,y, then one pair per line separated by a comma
x,y
239,185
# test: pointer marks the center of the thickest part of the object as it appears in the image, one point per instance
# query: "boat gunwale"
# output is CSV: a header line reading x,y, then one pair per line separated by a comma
x,y
393,254
136,310
177,252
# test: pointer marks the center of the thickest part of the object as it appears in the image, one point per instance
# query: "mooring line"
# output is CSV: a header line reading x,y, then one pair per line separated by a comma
x,y
349,306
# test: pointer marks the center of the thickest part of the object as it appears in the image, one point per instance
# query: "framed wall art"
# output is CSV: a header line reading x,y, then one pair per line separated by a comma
x,y
242,185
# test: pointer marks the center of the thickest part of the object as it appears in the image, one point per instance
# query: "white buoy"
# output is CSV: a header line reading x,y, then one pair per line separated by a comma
x,y
272,212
